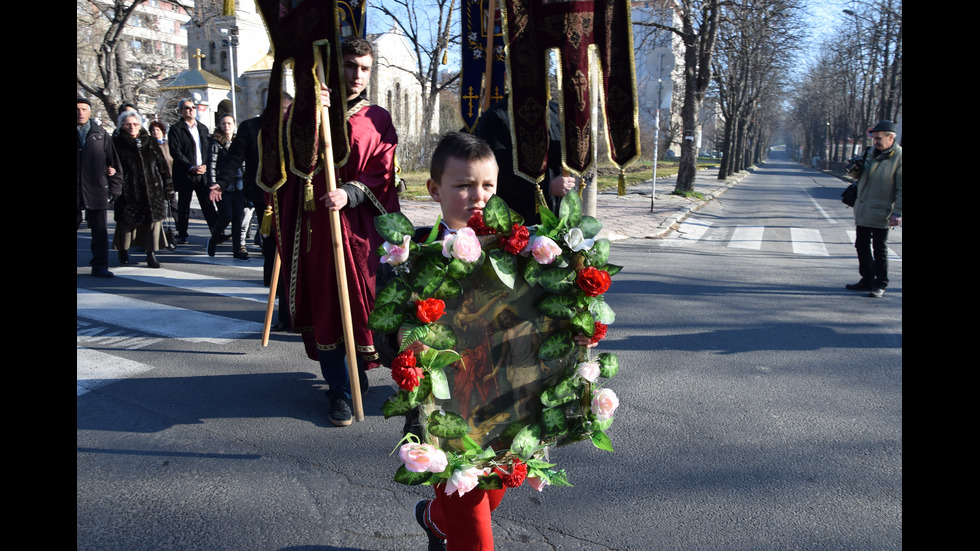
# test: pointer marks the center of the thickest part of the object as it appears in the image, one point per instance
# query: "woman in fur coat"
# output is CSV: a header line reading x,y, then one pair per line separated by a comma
x,y
141,208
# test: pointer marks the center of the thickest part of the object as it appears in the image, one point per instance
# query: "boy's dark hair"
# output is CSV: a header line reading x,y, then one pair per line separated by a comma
x,y
357,47
458,145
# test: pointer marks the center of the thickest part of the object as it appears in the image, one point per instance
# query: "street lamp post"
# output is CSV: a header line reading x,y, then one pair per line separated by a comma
x,y
231,40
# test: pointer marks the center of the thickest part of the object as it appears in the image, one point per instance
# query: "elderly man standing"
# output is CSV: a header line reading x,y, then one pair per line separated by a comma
x,y
878,208
188,140
98,179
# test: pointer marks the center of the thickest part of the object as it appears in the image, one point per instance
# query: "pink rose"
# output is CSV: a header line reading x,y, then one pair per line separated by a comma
x,y
544,249
463,245
395,254
538,483
604,404
421,458
588,371
463,480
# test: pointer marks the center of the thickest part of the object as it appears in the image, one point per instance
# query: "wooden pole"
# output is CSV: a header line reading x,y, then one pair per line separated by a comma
x,y
488,74
272,299
338,254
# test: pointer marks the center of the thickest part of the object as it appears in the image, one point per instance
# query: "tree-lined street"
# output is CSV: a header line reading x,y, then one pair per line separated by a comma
x,y
761,403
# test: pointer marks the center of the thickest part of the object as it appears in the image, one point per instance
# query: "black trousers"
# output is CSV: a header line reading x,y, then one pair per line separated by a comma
x,y
872,252
98,222
184,207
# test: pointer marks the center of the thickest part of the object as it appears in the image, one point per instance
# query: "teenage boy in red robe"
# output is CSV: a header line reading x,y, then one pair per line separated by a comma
x,y
366,189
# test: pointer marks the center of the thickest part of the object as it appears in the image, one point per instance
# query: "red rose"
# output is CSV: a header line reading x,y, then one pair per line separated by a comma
x,y
404,372
479,227
429,310
593,281
517,240
599,332
517,475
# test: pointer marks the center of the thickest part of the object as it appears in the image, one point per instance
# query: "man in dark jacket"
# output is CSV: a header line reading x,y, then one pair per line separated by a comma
x,y
188,141
99,178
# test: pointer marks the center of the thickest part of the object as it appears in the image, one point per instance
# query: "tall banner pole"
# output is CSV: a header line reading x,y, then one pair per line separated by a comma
x,y
339,260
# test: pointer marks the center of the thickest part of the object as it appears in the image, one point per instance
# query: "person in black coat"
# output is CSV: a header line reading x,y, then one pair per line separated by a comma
x,y
188,140
98,176
229,193
142,205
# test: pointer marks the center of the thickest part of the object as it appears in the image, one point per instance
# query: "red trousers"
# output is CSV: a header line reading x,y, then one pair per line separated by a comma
x,y
464,520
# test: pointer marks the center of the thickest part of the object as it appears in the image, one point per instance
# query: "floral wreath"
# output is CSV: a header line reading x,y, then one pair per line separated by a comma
x,y
564,257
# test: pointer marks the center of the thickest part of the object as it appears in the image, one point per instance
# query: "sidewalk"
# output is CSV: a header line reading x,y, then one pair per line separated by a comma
x,y
623,217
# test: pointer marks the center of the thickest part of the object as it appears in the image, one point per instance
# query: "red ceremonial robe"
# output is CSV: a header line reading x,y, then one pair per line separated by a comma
x,y
306,245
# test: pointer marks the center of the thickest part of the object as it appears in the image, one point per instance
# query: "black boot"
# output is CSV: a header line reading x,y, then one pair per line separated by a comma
x,y
124,257
151,260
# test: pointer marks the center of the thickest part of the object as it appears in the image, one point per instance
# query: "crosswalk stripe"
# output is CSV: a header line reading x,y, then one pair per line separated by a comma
x,y
747,237
161,319
808,241
94,369
195,282
688,232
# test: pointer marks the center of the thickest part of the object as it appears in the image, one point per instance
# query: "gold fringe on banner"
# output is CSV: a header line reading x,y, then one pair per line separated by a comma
x,y
622,183
309,204
266,228
540,202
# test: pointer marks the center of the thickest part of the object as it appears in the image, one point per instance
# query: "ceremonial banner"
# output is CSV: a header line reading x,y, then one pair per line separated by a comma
x,y
304,33
573,27
353,17
475,28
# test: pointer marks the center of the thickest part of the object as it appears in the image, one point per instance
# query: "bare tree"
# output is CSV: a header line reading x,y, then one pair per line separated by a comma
x,y
698,22
429,28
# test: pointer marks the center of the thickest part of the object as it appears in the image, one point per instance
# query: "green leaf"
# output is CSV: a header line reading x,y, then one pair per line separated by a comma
x,y
440,336
558,280
608,365
583,322
459,269
409,478
599,253
489,483
590,227
447,424
427,276
387,318
548,220
442,358
613,269
415,332
396,291
570,210
440,384
420,393
557,345
565,391
434,232
532,271
601,441
450,288
526,442
553,421
397,404
602,312
496,214
561,307
505,266
393,227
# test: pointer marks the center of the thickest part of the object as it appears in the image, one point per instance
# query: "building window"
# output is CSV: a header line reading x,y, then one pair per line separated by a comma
x,y
211,53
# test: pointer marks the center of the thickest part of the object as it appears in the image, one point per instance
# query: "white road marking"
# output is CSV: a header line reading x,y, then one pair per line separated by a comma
x,y
160,319
94,369
808,241
747,237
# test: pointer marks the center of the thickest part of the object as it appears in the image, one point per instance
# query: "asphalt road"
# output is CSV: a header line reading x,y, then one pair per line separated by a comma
x,y
761,404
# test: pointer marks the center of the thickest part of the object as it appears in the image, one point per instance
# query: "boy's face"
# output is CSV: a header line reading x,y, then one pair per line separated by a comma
x,y
465,188
357,74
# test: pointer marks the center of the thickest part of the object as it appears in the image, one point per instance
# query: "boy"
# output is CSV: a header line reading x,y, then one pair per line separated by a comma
x,y
462,178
